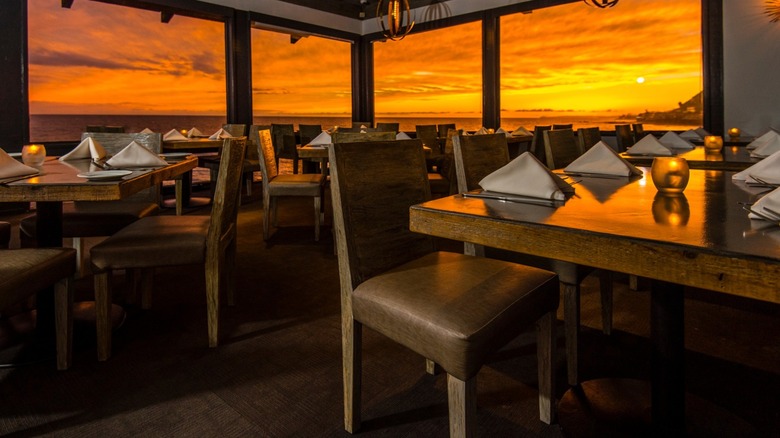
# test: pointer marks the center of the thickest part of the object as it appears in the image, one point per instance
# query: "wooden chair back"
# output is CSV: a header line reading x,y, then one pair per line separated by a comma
x,y
236,130
224,209
308,133
357,125
371,206
537,142
444,128
358,137
560,147
253,140
476,156
624,137
115,142
278,132
587,137
563,126
639,131
267,155
388,126
430,137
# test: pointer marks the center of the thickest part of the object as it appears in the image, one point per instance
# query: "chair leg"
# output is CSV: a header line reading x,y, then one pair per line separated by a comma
x,y
212,296
633,282
571,322
146,284
78,245
266,214
462,397
179,195
317,203
605,283
63,317
545,350
351,344
274,216
430,367
103,314
228,271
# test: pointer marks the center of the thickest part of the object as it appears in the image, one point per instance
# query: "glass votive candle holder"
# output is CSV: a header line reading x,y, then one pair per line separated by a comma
x,y
671,209
670,174
33,155
713,143
734,132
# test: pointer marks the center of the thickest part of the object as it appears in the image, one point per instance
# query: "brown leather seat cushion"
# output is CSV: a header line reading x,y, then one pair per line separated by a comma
x,y
299,184
5,234
455,309
154,241
26,271
91,219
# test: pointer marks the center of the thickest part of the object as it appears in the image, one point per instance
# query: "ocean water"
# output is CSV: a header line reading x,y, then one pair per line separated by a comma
x,y
69,127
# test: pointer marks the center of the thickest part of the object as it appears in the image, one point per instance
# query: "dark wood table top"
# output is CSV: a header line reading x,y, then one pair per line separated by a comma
x,y
733,158
192,145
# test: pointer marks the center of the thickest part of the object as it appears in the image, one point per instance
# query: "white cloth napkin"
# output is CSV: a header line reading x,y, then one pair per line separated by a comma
x,y
521,131
402,136
194,132
322,139
767,170
221,133
690,135
135,155
503,131
173,135
10,167
702,132
527,176
363,127
88,148
763,139
147,131
649,145
673,141
772,201
482,131
602,159
767,148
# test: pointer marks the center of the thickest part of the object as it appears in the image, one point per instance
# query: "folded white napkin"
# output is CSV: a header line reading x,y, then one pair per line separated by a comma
x,y
767,170
194,132
135,155
88,148
527,176
363,127
771,201
482,131
648,145
363,131
147,131
10,167
221,133
402,136
767,148
690,135
173,135
763,139
503,131
521,131
602,159
322,139
702,132
673,141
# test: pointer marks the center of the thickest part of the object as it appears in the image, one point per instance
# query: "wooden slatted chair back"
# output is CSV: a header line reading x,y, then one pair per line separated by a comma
x,y
224,209
430,137
624,137
361,137
560,148
587,137
476,156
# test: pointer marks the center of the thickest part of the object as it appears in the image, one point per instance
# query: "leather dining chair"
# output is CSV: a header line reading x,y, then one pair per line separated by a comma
x,y
449,308
587,138
477,157
276,185
560,148
161,241
24,272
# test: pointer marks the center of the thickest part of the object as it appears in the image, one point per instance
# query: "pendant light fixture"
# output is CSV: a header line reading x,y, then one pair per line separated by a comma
x,y
773,10
601,3
395,18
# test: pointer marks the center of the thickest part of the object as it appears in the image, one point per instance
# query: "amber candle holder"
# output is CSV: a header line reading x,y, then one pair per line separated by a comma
x,y
671,209
713,143
33,155
670,174
734,132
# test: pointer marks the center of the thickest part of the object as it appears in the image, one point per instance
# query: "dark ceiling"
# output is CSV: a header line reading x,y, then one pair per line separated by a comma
x,y
353,8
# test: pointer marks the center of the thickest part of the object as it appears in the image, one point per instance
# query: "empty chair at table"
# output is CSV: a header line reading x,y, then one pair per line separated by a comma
x,y
639,131
276,185
388,126
562,126
251,163
443,128
443,181
308,133
624,137
560,148
283,136
453,309
587,138
537,142
430,138
357,125
352,137
235,129
479,156
161,241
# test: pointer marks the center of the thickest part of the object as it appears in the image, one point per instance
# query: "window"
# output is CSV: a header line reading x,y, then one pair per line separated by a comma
x,y
639,61
431,78
307,82
101,64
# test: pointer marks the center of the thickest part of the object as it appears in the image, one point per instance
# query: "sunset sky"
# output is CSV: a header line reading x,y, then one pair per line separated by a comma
x,y
103,59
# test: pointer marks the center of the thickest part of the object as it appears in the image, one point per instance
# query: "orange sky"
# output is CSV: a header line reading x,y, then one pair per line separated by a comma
x,y
104,59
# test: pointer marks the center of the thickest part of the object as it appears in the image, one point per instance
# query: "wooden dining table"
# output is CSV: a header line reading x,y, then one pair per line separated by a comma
x,y
734,158
196,146
702,238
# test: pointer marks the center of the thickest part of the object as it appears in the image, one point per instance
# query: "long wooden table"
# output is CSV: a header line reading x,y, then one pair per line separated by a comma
x,y
734,158
703,239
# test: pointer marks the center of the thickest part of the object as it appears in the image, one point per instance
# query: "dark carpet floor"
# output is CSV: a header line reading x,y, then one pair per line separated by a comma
x,y
278,370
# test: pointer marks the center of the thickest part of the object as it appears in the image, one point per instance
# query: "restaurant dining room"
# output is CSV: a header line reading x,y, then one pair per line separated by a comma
x,y
331,218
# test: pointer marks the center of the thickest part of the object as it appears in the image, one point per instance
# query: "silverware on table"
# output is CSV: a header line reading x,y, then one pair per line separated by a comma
x,y
761,215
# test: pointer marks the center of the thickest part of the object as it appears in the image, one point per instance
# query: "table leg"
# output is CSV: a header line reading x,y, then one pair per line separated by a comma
x,y
48,235
668,359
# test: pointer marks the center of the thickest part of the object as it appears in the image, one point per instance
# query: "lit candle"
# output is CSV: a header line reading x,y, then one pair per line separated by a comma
x,y
33,155
734,132
713,142
670,174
